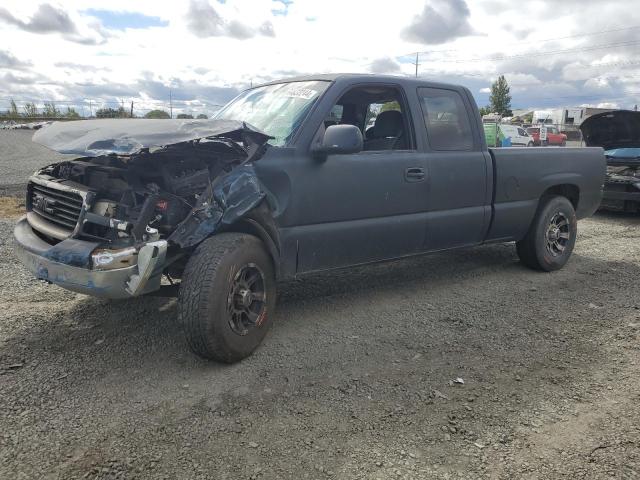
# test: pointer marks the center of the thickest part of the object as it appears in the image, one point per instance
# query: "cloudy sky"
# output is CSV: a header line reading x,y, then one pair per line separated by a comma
x,y
553,53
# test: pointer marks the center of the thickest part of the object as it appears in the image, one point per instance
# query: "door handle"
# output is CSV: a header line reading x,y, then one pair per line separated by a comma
x,y
414,174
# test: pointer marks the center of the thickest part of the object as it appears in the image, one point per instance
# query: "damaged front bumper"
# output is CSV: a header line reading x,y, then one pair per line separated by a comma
x,y
86,267
622,187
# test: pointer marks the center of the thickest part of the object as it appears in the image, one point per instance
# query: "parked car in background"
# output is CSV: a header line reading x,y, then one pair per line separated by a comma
x,y
519,137
547,135
619,134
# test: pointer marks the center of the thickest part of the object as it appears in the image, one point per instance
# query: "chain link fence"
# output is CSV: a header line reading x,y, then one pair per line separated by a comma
x,y
18,112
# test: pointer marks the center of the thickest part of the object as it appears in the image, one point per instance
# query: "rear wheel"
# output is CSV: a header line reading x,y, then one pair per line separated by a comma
x,y
227,297
530,144
551,237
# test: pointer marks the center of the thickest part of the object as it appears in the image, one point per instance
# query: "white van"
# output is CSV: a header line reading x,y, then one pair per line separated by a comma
x,y
519,137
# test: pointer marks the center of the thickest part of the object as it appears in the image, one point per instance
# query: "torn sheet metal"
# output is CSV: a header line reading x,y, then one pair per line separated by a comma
x,y
93,138
230,197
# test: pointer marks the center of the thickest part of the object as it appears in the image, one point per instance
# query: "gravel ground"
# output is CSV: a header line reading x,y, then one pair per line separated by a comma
x,y
355,381
19,158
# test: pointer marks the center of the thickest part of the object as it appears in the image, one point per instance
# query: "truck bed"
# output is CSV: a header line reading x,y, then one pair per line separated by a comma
x,y
523,175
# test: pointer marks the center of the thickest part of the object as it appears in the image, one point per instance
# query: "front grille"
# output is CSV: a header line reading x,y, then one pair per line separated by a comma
x,y
59,207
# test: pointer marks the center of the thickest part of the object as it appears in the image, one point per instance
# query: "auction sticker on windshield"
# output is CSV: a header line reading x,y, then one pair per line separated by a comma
x,y
306,93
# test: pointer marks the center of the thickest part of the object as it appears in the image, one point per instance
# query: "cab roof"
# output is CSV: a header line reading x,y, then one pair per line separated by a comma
x,y
365,78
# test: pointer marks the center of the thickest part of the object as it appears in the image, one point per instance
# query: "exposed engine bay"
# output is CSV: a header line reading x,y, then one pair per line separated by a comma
x,y
622,188
618,133
139,196
156,191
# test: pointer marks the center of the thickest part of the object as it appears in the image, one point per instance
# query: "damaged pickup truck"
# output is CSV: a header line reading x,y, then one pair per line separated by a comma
x,y
291,177
618,132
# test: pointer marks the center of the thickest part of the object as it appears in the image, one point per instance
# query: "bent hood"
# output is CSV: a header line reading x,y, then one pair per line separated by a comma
x,y
127,136
612,130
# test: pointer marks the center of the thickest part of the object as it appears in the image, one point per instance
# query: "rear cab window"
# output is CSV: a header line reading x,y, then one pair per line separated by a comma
x,y
446,119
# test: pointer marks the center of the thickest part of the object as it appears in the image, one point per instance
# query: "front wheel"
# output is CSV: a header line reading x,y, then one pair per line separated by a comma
x,y
530,144
227,297
551,237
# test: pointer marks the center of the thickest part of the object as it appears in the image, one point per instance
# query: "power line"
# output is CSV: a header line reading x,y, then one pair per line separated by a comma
x,y
540,54
530,42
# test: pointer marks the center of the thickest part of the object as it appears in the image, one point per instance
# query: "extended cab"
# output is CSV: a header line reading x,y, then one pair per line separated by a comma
x,y
292,177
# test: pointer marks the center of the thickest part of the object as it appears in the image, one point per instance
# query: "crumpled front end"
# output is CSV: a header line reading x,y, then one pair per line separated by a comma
x,y
618,132
112,225
87,267
622,186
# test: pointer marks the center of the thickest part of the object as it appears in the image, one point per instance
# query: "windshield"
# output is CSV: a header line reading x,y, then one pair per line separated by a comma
x,y
275,109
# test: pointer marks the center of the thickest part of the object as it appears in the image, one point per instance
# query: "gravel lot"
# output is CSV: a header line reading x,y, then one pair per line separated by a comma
x,y
19,158
355,381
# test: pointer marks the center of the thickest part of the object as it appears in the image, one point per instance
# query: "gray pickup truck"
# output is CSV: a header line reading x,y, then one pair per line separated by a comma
x,y
291,177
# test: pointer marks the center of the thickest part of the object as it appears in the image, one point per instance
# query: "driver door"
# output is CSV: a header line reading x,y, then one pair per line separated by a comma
x,y
367,206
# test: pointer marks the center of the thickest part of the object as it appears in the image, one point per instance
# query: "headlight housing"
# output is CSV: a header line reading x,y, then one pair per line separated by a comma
x,y
105,259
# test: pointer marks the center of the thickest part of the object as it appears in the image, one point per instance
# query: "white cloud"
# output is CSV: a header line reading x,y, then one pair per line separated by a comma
x,y
205,59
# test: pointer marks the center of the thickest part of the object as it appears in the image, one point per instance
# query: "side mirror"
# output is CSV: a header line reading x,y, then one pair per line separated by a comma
x,y
339,139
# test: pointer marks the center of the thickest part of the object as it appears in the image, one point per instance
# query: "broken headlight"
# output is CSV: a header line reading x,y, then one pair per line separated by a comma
x,y
105,259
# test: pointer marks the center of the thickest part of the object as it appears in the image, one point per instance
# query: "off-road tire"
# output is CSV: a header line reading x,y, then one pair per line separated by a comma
x,y
203,301
534,250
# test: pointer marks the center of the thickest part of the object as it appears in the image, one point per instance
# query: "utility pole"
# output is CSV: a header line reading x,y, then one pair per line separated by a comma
x,y
131,114
170,104
417,62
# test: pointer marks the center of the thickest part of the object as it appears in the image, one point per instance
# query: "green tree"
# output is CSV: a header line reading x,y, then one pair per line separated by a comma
x,y
72,114
157,114
109,112
500,98
50,110
184,115
202,116
390,106
30,109
13,110
485,110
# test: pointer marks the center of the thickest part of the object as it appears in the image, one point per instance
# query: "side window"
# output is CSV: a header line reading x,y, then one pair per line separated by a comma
x,y
379,112
522,133
374,109
335,116
446,119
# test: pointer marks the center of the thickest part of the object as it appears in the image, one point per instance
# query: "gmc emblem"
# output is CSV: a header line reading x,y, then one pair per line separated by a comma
x,y
44,204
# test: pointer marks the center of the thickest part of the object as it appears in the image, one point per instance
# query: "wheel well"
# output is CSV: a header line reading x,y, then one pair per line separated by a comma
x,y
571,192
251,227
259,223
